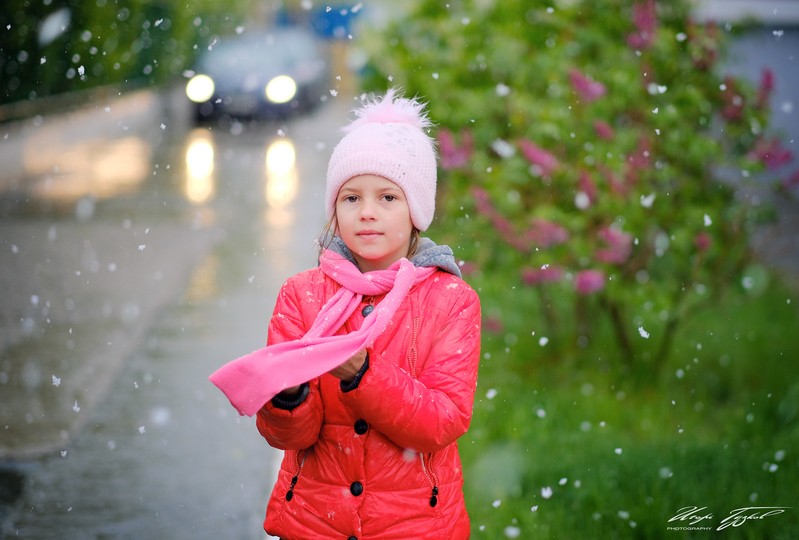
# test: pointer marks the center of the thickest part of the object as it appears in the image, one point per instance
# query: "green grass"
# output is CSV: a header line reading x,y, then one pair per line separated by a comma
x,y
574,450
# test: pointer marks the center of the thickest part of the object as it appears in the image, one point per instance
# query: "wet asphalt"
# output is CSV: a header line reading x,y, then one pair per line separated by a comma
x,y
120,304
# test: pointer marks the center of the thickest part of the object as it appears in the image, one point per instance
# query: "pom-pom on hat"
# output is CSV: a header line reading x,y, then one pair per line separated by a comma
x,y
388,139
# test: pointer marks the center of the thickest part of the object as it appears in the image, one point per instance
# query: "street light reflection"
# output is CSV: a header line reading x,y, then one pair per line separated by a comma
x,y
200,185
281,182
92,167
204,281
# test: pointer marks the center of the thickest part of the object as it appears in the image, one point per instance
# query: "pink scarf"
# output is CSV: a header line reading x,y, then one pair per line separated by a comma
x,y
251,381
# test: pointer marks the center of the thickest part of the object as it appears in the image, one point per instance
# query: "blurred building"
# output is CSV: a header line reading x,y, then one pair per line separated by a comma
x,y
765,11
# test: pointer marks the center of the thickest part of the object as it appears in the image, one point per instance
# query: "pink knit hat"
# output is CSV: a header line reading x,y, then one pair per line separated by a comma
x,y
388,139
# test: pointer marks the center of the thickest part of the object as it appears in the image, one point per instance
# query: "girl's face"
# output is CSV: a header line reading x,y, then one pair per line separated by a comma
x,y
373,219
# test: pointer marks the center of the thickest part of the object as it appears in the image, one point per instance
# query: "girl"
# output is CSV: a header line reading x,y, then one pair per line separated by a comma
x,y
374,353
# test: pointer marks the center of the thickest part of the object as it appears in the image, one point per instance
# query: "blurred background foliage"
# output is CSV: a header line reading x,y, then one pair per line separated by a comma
x,y
591,154
54,47
596,158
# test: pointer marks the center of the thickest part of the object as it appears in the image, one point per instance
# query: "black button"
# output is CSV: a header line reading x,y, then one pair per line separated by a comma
x,y
356,488
352,538
367,309
361,426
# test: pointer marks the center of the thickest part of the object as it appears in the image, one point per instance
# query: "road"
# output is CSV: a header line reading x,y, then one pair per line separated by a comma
x,y
136,256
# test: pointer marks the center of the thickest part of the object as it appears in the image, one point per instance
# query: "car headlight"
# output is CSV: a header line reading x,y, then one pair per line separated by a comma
x,y
200,88
281,89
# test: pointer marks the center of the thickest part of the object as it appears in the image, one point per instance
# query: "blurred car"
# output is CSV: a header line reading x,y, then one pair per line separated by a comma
x,y
268,73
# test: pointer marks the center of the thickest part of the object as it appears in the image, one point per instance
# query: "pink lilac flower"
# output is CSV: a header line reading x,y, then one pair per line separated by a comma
x,y
638,161
641,158
493,324
733,102
766,88
586,185
615,183
702,241
482,201
587,88
771,153
703,44
502,225
468,268
645,21
452,155
589,281
546,162
544,233
545,274
603,130
618,246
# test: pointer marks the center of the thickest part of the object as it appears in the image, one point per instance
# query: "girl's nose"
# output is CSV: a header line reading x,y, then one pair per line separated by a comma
x,y
367,210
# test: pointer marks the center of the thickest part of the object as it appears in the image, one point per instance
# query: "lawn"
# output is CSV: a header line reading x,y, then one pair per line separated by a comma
x,y
580,449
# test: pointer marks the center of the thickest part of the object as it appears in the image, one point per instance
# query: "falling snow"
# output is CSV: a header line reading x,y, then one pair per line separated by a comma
x,y
648,200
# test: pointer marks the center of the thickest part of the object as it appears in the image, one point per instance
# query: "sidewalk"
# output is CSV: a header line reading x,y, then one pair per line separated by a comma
x,y
80,290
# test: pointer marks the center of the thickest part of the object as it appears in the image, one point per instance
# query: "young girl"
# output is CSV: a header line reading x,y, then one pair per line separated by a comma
x,y
369,374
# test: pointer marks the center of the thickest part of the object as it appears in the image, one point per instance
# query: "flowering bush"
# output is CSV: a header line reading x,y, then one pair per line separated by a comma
x,y
588,152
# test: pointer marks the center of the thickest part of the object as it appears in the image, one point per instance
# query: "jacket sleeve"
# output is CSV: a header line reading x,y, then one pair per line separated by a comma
x,y
431,411
297,428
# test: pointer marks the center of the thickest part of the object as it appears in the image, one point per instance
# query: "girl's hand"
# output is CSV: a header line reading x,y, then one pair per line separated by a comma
x,y
347,371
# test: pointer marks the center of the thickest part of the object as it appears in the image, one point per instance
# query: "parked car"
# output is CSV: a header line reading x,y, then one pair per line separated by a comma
x,y
268,73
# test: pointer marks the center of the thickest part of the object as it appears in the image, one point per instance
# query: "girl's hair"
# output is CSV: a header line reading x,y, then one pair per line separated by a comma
x,y
329,230
326,236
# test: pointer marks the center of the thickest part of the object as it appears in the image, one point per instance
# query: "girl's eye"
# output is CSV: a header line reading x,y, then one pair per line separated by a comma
x,y
350,198
390,198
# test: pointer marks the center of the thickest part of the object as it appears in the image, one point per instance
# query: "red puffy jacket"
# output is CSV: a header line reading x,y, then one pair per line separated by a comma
x,y
379,461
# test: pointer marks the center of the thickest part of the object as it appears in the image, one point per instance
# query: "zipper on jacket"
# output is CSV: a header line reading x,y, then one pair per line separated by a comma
x,y
412,355
427,468
300,459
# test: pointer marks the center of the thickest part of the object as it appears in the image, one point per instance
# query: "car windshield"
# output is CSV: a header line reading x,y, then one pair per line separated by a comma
x,y
272,52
